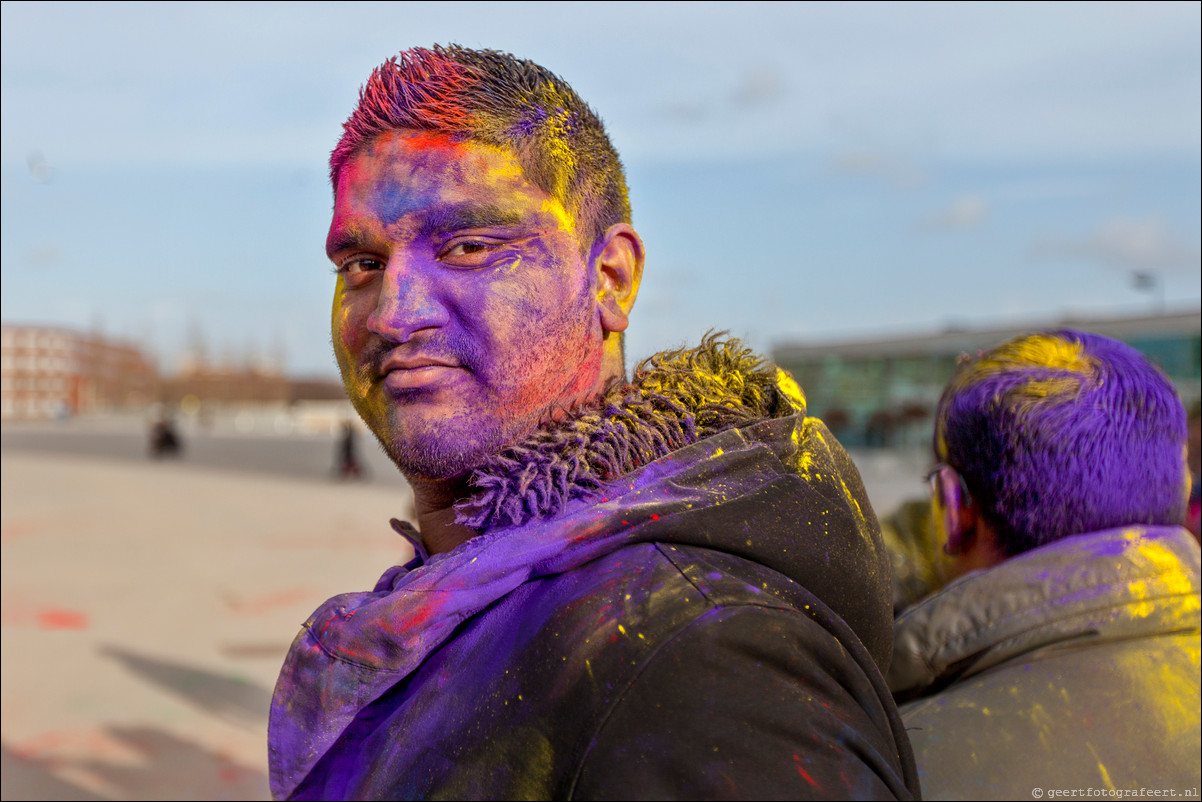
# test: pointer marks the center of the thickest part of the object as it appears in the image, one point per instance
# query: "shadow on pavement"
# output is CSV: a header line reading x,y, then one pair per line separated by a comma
x,y
236,700
29,778
170,768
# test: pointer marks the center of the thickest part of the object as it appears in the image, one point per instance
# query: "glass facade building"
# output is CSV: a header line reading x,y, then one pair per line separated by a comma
x,y
883,392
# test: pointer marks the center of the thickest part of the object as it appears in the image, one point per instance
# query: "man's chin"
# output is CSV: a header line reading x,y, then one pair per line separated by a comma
x,y
441,458
436,439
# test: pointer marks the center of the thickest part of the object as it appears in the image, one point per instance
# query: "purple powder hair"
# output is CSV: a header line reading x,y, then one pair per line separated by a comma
x,y
1062,433
498,99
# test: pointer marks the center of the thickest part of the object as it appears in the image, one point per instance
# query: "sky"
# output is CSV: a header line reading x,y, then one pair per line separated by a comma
x,y
799,172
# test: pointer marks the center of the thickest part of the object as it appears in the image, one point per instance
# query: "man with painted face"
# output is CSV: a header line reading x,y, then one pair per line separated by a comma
x,y
1066,654
670,586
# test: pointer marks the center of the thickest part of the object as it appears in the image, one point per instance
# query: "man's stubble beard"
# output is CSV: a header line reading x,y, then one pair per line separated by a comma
x,y
437,450
447,449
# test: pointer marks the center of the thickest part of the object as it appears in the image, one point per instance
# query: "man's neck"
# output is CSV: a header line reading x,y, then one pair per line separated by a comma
x,y
982,552
434,501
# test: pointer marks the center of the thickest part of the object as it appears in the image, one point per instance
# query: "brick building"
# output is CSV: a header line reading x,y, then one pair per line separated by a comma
x,y
48,371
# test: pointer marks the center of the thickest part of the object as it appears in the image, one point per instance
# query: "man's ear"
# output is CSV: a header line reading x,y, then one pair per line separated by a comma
x,y
959,511
617,258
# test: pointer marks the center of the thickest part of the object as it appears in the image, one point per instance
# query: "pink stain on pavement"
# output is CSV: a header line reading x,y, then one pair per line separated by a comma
x,y
52,618
18,529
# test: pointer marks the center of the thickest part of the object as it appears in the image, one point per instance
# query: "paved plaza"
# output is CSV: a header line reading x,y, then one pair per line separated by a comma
x,y
147,608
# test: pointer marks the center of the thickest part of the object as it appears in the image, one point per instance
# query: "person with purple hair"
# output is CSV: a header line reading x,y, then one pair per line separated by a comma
x,y
1065,653
667,586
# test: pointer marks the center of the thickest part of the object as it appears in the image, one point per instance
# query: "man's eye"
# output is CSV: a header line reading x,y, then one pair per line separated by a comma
x,y
360,265
469,253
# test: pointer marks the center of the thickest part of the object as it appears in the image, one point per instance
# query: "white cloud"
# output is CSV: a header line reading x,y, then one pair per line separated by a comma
x,y
44,256
967,211
1127,244
898,170
760,86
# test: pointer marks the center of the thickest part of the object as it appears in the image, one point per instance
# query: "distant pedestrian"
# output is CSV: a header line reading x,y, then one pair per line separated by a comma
x,y
347,456
164,439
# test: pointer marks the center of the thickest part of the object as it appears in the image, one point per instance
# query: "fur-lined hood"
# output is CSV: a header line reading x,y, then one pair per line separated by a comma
x,y
675,399
698,409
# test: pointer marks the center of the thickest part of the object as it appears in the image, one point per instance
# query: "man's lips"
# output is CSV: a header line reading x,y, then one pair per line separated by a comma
x,y
408,372
415,362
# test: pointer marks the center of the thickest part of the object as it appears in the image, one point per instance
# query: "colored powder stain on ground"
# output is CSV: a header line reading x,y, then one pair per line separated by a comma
x,y
54,618
18,529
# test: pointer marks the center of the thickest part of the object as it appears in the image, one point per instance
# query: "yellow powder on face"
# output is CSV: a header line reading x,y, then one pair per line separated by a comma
x,y
555,208
507,169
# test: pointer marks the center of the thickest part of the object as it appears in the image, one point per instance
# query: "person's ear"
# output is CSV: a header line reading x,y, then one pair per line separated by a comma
x,y
959,511
617,259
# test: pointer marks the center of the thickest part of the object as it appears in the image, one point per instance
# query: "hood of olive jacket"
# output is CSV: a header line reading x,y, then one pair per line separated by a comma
x,y
706,447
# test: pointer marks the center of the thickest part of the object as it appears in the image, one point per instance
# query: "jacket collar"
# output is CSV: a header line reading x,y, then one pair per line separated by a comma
x,y
675,398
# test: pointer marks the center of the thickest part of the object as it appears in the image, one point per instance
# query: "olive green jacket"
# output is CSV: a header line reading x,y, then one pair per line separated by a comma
x,y
1075,665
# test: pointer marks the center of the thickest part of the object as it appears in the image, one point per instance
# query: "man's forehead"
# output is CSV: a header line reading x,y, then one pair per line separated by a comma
x,y
434,180
416,158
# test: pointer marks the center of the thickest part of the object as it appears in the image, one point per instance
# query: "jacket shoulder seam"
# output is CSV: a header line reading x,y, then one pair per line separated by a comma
x,y
768,602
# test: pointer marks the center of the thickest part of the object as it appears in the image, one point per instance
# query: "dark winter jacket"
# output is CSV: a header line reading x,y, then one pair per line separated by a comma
x,y
681,593
1071,666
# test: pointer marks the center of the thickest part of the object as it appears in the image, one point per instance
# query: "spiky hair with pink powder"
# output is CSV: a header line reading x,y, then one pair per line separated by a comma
x,y
497,99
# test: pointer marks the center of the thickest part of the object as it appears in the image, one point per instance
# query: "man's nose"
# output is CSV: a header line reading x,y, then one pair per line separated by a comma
x,y
409,300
